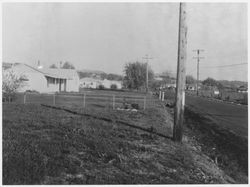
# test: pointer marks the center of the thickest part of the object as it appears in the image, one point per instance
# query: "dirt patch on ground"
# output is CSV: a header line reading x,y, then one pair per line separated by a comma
x,y
49,146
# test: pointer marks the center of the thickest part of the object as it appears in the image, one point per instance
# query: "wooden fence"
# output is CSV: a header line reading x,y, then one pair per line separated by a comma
x,y
83,100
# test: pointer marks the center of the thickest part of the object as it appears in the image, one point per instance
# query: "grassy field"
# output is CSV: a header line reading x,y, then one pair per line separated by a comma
x,y
44,145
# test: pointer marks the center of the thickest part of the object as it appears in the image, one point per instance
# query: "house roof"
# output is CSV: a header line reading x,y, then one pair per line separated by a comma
x,y
59,73
55,73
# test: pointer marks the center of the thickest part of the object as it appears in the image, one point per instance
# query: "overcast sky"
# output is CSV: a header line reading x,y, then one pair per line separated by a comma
x,y
104,36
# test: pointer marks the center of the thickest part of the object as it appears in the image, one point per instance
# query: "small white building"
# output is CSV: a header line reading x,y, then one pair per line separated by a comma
x,y
88,82
94,83
108,83
46,80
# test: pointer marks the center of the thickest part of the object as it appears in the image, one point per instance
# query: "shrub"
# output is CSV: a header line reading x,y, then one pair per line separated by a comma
x,y
101,87
135,106
113,86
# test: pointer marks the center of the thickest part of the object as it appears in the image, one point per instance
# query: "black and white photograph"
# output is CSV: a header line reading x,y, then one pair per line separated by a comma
x,y
124,93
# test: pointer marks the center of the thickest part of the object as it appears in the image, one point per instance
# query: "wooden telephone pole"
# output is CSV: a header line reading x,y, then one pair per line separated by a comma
x,y
198,68
181,75
146,58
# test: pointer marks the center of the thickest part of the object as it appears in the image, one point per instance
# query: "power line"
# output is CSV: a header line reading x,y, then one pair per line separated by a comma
x,y
229,65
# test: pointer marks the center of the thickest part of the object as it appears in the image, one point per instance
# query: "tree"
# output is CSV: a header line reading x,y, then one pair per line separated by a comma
x,y
68,65
212,82
113,87
112,76
135,75
155,84
11,83
53,66
190,79
167,77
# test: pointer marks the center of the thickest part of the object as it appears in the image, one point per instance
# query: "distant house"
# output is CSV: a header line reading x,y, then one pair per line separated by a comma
x,y
191,87
88,82
46,80
158,77
94,83
171,83
242,89
108,83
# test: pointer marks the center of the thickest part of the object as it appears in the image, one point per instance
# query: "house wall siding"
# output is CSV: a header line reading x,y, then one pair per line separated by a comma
x,y
38,81
73,84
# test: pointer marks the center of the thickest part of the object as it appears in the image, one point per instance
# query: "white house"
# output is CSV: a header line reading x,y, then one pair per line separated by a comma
x,y
46,80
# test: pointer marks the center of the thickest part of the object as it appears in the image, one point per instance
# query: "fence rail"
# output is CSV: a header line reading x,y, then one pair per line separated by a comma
x,y
83,100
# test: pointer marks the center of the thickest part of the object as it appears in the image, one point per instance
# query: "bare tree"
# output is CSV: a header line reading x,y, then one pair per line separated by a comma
x,y
11,83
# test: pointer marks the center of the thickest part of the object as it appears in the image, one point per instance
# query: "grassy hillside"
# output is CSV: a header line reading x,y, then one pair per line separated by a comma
x,y
43,145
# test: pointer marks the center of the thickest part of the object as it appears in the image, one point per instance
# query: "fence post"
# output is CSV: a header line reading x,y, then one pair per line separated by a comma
x,y
144,107
113,102
84,95
24,98
160,95
163,96
54,99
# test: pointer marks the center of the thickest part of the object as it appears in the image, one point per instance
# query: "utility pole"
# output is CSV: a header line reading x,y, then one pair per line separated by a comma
x,y
146,58
198,68
181,75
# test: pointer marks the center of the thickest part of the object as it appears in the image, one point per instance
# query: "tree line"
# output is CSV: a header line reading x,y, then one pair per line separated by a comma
x,y
65,65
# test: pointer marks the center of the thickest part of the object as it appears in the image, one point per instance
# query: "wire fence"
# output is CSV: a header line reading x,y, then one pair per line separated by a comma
x,y
84,100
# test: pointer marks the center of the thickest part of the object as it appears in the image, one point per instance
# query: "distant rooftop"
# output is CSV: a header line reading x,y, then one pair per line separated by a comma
x,y
56,73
